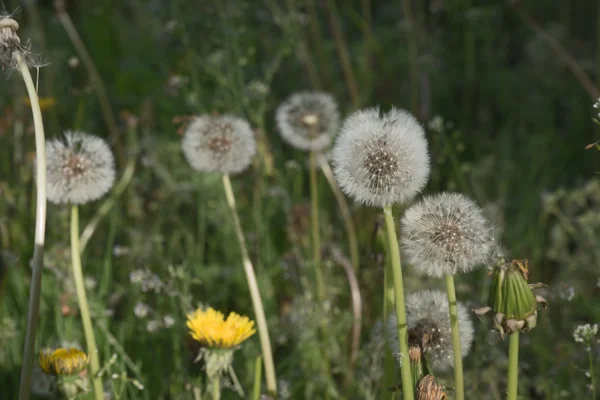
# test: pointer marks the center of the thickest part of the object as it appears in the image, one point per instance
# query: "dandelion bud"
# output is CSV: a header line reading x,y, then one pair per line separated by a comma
x,y
80,168
428,323
308,120
511,298
222,144
380,160
9,40
63,361
428,389
446,234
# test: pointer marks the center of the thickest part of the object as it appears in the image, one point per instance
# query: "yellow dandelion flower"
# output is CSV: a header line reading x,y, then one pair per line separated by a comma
x,y
211,329
46,103
63,361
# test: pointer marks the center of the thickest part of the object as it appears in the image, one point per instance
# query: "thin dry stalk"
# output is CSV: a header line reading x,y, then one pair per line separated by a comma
x,y
95,78
343,54
563,55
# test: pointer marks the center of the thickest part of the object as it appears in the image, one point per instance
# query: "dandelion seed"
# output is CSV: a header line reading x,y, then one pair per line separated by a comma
x,y
81,168
428,323
211,329
63,361
308,120
446,234
223,144
380,160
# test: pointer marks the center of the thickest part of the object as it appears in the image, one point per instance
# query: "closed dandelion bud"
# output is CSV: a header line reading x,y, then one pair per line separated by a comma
x,y
511,299
308,120
380,160
224,144
428,323
80,168
428,389
446,234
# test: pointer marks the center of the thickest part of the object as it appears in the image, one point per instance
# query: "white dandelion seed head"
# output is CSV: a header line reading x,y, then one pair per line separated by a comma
x,y
428,321
80,168
308,120
380,160
222,143
446,234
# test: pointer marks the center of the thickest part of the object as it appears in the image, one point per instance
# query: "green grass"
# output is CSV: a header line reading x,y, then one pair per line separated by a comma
x,y
522,136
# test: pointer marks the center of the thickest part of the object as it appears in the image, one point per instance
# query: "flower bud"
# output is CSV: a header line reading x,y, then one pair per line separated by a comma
x,y
511,298
428,389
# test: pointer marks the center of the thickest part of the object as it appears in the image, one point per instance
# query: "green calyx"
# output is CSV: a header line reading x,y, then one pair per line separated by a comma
x,y
511,298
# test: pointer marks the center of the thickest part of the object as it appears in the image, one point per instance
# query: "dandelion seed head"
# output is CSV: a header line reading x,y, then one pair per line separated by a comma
x,y
446,234
428,320
223,144
308,120
80,168
380,160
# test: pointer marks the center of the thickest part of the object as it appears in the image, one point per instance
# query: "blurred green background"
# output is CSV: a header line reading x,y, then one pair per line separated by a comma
x,y
505,91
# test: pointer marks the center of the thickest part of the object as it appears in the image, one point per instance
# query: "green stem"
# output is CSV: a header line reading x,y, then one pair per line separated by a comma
x,y
592,379
216,388
457,354
84,309
388,305
407,386
513,366
261,320
344,210
40,230
257,378
316,241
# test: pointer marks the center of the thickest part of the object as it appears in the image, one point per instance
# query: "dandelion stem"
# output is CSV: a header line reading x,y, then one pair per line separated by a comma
x,y
216,388
394,252
344,210
592,379
458,369
84,309
261,320
40,229
257,378
316,241
513,366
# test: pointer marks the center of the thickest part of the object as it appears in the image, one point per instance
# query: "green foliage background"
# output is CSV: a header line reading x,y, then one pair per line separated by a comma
x,y
515,124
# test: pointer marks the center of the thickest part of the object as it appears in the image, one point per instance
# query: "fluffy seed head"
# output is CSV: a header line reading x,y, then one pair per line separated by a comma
x,y
223,144
380,160
446,234
308,120
80,166
428,320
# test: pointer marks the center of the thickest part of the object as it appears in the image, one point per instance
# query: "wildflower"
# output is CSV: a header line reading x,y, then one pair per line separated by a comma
x,y
211,329
10,43
141,310
80,168
585,334
380,160
428,323
446,234
511,299
63,361
308,120
223,144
